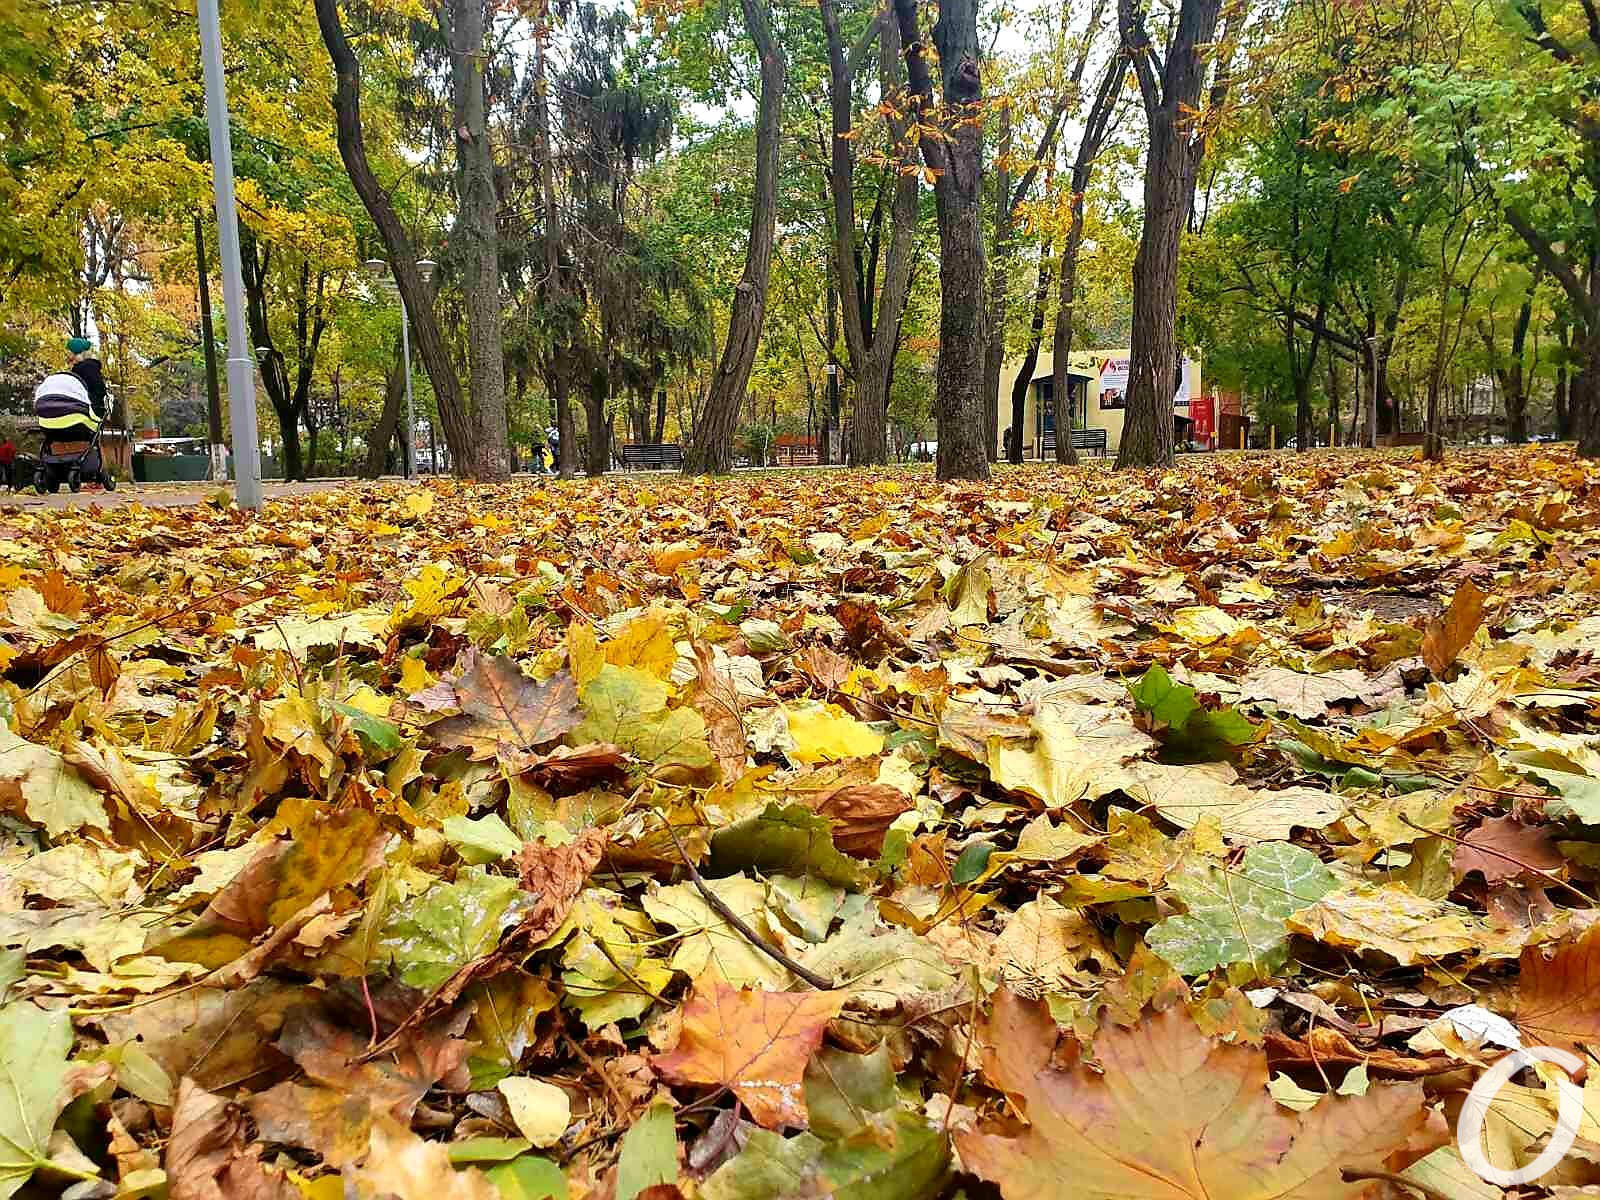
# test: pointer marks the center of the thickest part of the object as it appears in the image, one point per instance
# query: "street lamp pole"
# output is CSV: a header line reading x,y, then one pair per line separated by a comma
x,y
241,371
425,269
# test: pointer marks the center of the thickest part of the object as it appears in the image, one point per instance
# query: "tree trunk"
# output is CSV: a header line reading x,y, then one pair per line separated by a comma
x,y
661,415
868,327
476,235
994,347
711,450
957,158
1030,358
598,441
384,432
208,341
1061,342
1172,103
1584,398
402,258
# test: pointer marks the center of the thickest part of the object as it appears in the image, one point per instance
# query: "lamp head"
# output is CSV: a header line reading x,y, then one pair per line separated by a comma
x,y
425,268
376,267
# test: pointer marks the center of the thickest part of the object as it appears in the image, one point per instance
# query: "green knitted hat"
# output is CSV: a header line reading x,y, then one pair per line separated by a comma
x,y
78,345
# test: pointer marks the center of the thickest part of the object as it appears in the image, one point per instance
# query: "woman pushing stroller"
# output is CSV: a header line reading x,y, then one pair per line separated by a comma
x,y
70,407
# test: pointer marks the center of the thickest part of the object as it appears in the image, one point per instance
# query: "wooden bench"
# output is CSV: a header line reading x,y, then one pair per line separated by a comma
x,y
797,456
651,456
1082,439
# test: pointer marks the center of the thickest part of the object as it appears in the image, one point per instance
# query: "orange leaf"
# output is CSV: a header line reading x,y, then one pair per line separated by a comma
x,y
1557,1002
1446,636
755,1043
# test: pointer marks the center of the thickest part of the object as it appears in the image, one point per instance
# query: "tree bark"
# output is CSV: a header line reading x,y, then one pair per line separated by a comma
x,y
476,233
208,340
957,160
868,327
1172,104
598,442
994,347
1030,358
1096,127
711,450
388,426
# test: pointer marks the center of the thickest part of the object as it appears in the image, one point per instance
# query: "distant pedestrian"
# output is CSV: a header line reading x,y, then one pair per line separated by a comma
x,y
8,464
552,439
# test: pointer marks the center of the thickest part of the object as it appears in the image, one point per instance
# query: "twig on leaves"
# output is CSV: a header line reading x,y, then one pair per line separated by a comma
x,y
1549,876
820,982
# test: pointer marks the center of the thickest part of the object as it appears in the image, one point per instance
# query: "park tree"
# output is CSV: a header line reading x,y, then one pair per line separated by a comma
x,y
711,449
950,136
1179,108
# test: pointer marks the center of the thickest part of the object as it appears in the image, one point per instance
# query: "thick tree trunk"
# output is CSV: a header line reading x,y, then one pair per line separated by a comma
x,y
1030,358
476,234
711,451
1172,102
402,258
958,159
566,425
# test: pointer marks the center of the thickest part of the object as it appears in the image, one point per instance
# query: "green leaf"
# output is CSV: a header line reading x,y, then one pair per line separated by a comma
x,y
379,734
1189,732
1167,703
482,839
1237,915
971,864
649,1153
487,1149
33,1069
785,839
530,1178
449,926
628,707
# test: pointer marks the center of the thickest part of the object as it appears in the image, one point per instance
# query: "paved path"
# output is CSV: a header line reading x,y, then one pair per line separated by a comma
x,y
157,495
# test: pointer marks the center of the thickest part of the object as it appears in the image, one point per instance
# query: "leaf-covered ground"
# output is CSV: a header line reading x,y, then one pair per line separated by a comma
x,y
803,835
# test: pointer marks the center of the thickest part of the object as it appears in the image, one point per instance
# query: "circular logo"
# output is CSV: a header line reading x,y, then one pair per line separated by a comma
x,y
1569,1114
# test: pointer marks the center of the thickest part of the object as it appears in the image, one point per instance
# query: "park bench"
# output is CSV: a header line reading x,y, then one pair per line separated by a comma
x,y
1082,439
651,456
797,456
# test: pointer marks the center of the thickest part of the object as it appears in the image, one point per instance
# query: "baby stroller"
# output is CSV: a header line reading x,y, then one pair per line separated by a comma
x,y
70,451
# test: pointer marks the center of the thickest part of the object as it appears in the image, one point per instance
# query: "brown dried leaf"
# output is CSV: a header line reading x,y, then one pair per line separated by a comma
x,y
1559,999
207,1158
1503,848
1171,1113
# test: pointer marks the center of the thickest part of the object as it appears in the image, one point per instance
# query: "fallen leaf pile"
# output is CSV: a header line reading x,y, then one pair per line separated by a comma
x,y
823,834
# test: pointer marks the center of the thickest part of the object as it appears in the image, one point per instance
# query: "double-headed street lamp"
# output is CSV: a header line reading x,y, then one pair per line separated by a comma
x,y
379,269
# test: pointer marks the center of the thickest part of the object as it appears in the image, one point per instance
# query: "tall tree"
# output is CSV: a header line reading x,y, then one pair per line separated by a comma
x,y
711,449
453,415
1096,127
476,233
1171,84
871,315
954,153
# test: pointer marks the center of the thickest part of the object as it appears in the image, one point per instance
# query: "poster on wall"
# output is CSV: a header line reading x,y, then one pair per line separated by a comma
x,y
1113,382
